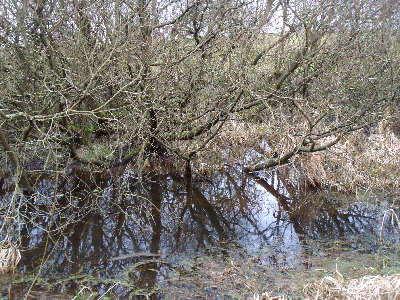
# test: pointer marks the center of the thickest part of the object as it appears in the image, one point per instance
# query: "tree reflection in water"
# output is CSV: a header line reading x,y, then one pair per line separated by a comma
x,y
105,226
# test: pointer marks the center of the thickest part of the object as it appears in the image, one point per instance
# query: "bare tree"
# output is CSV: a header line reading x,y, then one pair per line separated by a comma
x,y
108,82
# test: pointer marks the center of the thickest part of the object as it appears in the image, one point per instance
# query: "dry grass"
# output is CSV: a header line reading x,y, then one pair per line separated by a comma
x,y
367,287
9,259
357,161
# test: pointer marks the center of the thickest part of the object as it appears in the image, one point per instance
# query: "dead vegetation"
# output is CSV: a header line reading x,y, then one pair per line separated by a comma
x,y
206,87
366,288
362,160
9,259
340,275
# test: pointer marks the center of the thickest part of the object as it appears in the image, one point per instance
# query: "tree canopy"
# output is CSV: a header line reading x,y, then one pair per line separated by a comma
x,y
108,82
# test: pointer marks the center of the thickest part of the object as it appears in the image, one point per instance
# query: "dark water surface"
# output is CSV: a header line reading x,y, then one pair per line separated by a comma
x,y
127,237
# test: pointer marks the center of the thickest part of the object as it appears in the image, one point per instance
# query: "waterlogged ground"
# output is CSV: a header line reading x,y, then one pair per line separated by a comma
x,y
229,236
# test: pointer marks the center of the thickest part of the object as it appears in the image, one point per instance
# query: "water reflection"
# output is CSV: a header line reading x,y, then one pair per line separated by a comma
x,y
108,226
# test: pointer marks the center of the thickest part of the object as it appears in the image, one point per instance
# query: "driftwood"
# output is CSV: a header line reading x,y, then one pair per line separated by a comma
x,y
139,254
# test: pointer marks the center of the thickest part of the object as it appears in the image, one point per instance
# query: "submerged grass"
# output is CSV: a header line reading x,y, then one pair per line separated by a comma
x,y
335,269
343,274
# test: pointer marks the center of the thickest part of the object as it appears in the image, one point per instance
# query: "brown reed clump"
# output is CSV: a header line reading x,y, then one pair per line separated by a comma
x,y
9,259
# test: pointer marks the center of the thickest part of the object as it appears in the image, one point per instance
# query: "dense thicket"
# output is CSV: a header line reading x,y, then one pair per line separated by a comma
x,y
113,81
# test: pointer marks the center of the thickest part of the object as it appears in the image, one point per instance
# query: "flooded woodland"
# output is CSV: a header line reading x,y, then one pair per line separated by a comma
x,y
199,149
189,236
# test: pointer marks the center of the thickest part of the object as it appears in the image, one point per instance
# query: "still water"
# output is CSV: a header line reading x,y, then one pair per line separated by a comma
x,y
125,237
